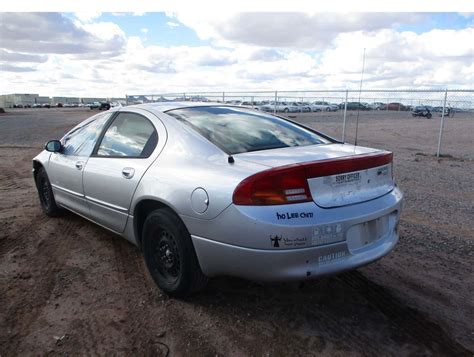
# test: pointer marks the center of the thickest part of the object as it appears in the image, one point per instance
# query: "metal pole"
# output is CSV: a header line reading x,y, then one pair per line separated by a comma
x,y
223,97
275,106
442,124
345,113
360,92
126,99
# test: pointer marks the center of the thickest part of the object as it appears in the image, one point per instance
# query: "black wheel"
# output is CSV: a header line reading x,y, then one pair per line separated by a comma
x,y
170,256
46,196
429,115
286,110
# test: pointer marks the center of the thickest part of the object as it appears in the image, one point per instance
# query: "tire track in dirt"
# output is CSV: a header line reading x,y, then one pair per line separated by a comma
x,y
50,241
14,239
413,322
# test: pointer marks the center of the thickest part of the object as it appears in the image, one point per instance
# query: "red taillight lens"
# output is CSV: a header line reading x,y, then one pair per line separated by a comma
x,y
289,184
277,186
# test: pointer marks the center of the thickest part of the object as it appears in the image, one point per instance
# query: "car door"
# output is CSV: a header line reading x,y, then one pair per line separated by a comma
x,y
65,168
127,148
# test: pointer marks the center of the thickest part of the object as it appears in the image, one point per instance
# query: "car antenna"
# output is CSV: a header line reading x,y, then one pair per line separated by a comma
x,y
360,91
230,159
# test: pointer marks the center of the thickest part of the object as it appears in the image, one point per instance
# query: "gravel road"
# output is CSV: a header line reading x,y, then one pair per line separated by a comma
x,y
68,286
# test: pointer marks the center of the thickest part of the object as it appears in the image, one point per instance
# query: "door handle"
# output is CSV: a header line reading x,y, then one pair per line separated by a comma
x,y
79,165
128,172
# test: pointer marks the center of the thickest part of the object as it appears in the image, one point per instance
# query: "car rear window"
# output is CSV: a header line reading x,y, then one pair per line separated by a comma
x,y
236,130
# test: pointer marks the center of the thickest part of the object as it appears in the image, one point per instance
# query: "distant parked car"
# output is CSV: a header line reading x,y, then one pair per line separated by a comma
x,y
59,105
323,106
104,106
283,107
397,106
46,105
115,104
355,106
303,107
249,104
377,106
94,105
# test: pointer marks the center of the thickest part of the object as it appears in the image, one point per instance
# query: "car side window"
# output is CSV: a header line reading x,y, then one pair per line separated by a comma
x,y
129,135
81,141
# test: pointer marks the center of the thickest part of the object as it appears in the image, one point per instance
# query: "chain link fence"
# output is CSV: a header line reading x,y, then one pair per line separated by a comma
x,y
437,122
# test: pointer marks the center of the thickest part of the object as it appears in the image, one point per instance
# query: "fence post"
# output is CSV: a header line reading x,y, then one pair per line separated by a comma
x,y
275,106
442,124
223,97
345,113
126,99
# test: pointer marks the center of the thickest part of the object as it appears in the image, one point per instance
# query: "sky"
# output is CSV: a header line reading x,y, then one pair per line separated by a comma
x,y
114,54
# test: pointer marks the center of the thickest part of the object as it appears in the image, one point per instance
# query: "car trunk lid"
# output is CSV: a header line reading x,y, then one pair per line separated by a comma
x,y
337,174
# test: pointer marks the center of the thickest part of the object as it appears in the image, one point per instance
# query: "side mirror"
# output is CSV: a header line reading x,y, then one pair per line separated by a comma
x,y
53,146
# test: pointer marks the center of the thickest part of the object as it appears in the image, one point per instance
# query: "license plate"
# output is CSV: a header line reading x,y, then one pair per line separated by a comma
x,y
327,234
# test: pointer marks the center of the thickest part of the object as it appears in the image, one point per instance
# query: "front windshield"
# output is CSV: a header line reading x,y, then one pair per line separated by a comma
x,y
236,130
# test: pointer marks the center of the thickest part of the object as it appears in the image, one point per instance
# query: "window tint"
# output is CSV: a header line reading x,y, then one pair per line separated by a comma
x,y
81,140
130,135
238,130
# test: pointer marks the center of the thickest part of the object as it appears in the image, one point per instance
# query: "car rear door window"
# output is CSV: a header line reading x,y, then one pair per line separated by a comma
x,y
236,130
129,135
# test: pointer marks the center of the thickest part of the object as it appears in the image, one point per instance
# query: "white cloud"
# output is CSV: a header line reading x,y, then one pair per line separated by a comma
x,y
172,24
39,46
47,33
144,30
284,30
87,16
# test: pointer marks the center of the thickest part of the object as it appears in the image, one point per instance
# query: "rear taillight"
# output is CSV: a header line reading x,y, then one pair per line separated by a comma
x,y
289,184
277,186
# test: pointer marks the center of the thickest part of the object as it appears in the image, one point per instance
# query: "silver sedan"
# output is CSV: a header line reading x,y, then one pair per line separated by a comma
x,y
208,190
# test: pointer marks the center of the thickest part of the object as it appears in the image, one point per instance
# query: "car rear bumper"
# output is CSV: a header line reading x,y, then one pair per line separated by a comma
x,y
218,258
364,239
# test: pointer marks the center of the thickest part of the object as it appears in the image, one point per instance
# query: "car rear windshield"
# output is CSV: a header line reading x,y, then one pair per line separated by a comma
x,y
236,130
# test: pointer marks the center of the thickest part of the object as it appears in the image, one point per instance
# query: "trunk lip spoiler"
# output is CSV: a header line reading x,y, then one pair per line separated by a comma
x,y
337,165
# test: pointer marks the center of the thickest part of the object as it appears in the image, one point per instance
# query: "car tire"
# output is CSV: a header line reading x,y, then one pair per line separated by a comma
x,y
46,196
286,110
429,115
170,256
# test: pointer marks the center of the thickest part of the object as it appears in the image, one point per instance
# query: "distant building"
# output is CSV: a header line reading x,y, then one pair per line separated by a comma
x,y
66,100
28,100
17,99
43,100
92,100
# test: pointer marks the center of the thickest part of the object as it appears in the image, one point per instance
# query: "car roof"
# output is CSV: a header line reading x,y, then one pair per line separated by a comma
x,y
165,106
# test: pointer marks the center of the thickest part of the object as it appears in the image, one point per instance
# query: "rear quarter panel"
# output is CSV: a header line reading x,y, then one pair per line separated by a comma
x,y
187,162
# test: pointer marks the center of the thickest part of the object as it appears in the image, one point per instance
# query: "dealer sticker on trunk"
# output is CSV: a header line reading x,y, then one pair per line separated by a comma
x,y
353,177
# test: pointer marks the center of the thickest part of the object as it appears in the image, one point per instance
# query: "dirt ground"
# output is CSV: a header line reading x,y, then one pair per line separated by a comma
x,y
70,287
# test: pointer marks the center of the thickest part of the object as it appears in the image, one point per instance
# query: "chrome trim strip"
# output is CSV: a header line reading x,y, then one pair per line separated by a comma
x,y
107,205
68,191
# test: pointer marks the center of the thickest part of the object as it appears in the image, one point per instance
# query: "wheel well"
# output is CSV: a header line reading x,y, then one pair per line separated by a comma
x,y
142,210
36,166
